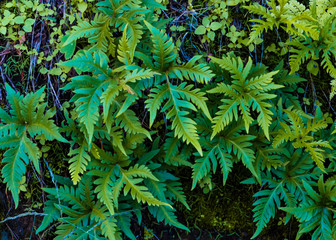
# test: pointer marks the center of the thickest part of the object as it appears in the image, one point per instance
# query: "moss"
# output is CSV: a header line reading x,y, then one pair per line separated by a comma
x,y
228,210
225,209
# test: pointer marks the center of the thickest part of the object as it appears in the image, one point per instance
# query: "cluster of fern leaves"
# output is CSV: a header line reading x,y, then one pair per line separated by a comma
x,y
216,114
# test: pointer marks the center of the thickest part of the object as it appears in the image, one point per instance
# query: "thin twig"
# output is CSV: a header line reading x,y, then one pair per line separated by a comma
x,y
23,215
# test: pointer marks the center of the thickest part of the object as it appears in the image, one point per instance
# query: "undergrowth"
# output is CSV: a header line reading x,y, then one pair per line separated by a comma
x,y
215,118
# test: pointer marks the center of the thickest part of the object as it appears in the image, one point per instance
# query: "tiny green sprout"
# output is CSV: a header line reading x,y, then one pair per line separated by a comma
x,y
233,34
221,10
208,28
306,101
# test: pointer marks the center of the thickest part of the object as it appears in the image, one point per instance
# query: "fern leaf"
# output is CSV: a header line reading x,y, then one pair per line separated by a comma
x,y
107,97
108,225
240,146
177,193
43,125
225,115
164,213
88,104
83,29
131,124
299,56
33,152
104,191
265,207
192,71
134,32
225,163
202,166
52,212
140,193
117,138
13,133
327,62
195,96
84,61
102,40
185,128
124,223
140,171
124,54
78,162
156,97
139,74
232,64
14,99
171,147
15,160
163,48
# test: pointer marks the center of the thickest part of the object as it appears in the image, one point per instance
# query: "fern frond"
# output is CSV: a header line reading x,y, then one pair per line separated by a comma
x,y
109,224
102,40
28,115
134,32
78,162
300,135
108,97
314,214
300,54
233,65
156,97
167,214
129,121
15,160
124,223
82,29
192,71
140,193
185,128
175,192
163,48
246,91
171,147
87,100
195,96
327,62
140,171
103,189
53,214
124,49
265,207
84,61
139,74
225,115
202,166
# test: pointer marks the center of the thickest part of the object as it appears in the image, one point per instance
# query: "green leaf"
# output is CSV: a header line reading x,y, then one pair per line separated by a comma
x,y
215,26
130,123
19,19
313,67
167,214
3,30
82,6
211,35
205,21
200,30
69,49
78,162
15,160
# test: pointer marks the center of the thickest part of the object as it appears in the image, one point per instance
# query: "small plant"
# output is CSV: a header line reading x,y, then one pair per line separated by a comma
x,y
208,29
